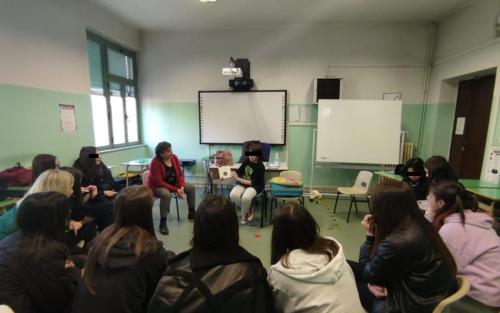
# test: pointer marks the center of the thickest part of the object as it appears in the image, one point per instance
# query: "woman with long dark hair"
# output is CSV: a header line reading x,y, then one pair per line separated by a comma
x,y
309,272
36,273
404,266
126,260
468,233
437,168
235,279
98,182
41,163
415,177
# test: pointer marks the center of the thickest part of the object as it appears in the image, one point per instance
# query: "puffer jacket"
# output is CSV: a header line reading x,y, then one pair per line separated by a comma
x,y
408,264
223,281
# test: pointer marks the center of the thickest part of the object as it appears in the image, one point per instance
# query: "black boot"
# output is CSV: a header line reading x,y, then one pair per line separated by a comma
x,y
191,214
163,227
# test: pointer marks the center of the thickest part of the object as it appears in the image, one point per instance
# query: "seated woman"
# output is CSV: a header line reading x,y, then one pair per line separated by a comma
x,y
437,168
309,272
216,275
404,266
41,163
50,180
249,182
165,179
126,260
98,181
36,273
415,177
468,233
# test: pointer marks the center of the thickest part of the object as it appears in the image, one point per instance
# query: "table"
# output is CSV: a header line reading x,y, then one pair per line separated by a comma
x,y
477,183
389,175
492,194
144,163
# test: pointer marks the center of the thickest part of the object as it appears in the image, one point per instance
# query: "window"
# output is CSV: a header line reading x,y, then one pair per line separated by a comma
x,y
113,81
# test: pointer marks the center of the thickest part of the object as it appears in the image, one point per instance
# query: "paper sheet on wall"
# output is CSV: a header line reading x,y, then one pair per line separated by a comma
x,y
459,129
294,114
68,120
305,114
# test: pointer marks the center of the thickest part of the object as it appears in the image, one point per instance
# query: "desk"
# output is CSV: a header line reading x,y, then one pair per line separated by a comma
x,y
16,191
491,194
476,183
389,175
141,163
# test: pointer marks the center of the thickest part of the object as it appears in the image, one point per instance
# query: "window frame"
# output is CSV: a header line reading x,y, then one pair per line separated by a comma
x,y
107,79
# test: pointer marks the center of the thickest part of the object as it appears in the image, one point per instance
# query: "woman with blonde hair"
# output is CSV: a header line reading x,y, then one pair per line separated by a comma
x,y
50,180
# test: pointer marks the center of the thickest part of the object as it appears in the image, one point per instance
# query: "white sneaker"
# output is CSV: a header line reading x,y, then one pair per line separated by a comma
x,y
243,219
250,217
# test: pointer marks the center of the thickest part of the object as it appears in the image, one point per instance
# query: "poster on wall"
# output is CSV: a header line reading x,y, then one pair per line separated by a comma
x,y
67,116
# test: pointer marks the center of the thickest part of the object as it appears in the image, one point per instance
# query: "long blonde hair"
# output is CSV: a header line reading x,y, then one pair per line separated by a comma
x,y
51,180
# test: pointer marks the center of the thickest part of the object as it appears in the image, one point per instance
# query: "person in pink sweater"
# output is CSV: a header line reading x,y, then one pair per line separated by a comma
x,y
166,179
468,233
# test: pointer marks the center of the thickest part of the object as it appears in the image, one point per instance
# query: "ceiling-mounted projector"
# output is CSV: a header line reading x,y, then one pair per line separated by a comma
x,y
240,69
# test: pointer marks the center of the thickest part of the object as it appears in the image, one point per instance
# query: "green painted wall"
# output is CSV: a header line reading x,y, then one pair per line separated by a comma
x,y
178,124
29,119
438,127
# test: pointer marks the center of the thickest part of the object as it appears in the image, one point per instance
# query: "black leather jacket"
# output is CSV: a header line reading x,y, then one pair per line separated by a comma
x,y
234,281
407,263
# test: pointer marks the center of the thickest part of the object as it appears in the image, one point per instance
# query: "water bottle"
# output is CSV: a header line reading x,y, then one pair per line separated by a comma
x,y
276,160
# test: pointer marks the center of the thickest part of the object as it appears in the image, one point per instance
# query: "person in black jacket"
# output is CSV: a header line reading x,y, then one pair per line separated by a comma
x,y
437,168
216,275
415,177
36,273
98,182
126,260
404,266
249,182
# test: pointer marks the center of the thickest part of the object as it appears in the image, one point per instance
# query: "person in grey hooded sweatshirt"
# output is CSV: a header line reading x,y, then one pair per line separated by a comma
x,y
468,233
309,272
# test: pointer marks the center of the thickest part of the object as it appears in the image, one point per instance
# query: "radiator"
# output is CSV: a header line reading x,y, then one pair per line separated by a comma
x,y
408,149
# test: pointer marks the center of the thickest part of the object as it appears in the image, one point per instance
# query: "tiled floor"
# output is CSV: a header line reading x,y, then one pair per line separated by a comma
x,y
258,240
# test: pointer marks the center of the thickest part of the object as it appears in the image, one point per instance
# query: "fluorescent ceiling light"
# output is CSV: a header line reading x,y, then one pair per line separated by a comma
x,y
208,0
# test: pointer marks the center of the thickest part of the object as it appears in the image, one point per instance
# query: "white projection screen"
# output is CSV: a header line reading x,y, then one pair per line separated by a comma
x,y
235,117
359,131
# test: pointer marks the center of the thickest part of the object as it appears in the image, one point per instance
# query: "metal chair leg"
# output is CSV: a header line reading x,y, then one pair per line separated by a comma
x,y
177,205
369,206
336,201
355,203
349,213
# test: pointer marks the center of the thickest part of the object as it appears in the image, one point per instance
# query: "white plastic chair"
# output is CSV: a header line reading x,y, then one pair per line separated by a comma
x,y
145,178
360,188
463,288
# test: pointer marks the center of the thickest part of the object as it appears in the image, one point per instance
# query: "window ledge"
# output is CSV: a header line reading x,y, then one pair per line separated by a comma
x,y
121,148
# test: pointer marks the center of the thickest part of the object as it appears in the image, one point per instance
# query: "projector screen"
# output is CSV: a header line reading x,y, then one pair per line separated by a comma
x,y
359,131
235,117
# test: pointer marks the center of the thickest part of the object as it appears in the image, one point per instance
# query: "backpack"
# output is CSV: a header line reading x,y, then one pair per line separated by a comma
x,y
17,175
223,158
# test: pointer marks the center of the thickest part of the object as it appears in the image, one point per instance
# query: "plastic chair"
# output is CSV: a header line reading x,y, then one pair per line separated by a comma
x,y
360,188
463,288
289,175
145,178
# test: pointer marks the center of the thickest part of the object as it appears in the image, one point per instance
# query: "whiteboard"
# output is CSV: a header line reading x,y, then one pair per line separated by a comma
x,y
359,131
235,117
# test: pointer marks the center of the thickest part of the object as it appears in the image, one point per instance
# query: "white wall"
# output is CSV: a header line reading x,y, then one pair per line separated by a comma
x,y
175,65
43,42
466,44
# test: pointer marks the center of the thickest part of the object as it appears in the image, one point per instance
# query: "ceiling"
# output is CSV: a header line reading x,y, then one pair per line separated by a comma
x,y
230,14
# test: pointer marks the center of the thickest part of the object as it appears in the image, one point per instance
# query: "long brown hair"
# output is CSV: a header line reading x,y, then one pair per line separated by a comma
x,y
456,200
393,204
295,228
133,223
41,163
87,164
439,169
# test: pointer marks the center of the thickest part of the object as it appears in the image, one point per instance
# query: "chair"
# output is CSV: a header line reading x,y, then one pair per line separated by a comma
x,y
463,288
359,188
262,196
290,175
145,178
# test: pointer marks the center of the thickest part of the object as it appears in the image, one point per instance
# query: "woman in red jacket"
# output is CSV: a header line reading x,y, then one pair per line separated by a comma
x,y
166,178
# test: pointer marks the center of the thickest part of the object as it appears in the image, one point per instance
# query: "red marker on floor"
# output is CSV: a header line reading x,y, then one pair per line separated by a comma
x,y
257,235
